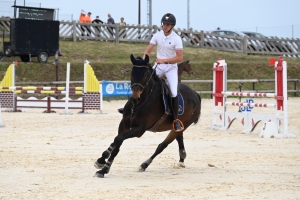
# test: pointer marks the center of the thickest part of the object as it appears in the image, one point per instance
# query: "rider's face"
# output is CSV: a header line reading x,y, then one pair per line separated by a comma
x,y
167,27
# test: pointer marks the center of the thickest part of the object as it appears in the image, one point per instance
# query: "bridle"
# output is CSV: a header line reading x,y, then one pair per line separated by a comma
x,y
144,86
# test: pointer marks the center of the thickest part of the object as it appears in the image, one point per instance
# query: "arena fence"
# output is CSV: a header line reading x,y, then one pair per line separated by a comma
x,y
201,39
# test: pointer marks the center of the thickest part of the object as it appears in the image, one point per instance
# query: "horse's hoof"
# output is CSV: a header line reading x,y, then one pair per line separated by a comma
x,y
141,169
98,175
98,165
180,165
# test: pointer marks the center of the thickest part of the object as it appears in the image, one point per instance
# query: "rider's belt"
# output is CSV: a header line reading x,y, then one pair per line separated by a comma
x,y
168,63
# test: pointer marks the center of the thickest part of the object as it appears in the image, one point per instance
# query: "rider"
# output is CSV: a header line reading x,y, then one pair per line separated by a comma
x,y
169,53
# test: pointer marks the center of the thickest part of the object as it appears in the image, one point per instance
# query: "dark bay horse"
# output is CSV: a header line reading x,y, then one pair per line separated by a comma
x,y
145,111
184,66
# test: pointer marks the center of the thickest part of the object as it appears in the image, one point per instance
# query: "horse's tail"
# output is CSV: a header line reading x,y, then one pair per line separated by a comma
x,y
196,121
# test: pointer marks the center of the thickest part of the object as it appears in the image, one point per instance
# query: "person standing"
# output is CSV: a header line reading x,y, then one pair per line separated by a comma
x,y
82,20
88,20
97,21
110,20
122,27
169,52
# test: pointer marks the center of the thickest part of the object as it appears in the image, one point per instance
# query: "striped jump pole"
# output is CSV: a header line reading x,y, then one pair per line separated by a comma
x,y
39,88
91,95
222,119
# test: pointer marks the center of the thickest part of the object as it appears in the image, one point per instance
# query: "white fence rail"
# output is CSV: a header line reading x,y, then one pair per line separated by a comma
x,y
208,82
135,33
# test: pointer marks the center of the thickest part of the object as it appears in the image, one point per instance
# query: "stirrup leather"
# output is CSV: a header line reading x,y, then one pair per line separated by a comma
x,y
182,126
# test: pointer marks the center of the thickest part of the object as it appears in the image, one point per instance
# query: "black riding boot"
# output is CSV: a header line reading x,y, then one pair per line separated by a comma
x,y
177,124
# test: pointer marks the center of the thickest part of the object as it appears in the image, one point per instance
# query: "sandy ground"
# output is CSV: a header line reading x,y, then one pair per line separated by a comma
x,y
51,156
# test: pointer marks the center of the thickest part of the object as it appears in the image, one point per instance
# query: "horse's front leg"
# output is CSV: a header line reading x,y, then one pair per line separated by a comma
x,y
170,138
99,164
104,168
114,149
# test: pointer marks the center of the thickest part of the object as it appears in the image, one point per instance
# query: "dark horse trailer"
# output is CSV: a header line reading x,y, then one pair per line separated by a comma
x,y
32,38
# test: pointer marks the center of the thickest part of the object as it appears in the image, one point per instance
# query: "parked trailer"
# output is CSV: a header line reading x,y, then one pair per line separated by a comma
x,y
32,38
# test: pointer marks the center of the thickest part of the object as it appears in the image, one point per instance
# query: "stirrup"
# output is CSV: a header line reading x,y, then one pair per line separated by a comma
x,y
181,124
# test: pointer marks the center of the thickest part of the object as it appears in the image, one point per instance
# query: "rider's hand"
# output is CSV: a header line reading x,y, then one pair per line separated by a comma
x,y
159,61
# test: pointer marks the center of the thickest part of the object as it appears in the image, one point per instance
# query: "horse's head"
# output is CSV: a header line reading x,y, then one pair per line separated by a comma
x,y
140,76
187,67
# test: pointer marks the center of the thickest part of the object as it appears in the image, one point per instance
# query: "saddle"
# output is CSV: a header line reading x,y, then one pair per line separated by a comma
x,y
166,95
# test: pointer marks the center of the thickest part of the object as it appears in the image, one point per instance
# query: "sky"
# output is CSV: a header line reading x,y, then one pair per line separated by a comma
x,y
279,18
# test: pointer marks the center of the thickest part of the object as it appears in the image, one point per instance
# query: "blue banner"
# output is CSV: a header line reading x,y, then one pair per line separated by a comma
x,y
247,109
112,89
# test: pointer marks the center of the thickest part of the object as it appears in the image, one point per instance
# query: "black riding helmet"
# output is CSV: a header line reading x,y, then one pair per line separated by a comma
x,y
168,19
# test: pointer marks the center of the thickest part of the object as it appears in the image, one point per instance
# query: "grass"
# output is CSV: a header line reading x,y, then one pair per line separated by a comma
x,y
109,59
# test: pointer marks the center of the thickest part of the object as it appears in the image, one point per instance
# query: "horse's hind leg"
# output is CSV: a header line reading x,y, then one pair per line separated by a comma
x,y
170,138
182,152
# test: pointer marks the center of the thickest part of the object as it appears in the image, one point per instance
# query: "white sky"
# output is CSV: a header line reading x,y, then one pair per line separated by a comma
x,y
270,17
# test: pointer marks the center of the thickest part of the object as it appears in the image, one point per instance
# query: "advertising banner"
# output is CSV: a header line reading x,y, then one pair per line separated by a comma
x,y
116,89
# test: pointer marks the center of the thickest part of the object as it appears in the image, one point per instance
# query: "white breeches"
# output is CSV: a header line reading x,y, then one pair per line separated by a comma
x,y
171,73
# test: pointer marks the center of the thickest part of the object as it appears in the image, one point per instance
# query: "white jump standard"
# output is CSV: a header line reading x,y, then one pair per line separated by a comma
x,y
222,119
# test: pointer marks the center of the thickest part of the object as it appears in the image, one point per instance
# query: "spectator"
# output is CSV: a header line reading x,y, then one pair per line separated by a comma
x,y
88,20
82,20
97,21
110,20
122,27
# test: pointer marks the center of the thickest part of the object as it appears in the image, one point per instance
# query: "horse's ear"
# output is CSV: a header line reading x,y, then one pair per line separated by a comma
x,y
147,58
132,59
188,61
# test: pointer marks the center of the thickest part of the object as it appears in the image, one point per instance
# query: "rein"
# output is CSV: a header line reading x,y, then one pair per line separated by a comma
x,y
145,87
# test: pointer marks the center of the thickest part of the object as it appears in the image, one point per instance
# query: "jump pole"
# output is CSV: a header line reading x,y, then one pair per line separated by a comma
x,y
250,120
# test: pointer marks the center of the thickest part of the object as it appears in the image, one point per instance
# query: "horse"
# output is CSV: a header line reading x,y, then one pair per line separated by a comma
x,y
145,111
184,66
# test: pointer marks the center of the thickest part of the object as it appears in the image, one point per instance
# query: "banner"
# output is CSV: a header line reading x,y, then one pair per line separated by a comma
x,y
247,109
116,89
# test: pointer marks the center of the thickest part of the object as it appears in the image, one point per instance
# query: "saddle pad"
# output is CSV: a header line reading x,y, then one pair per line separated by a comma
x,y
180,102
